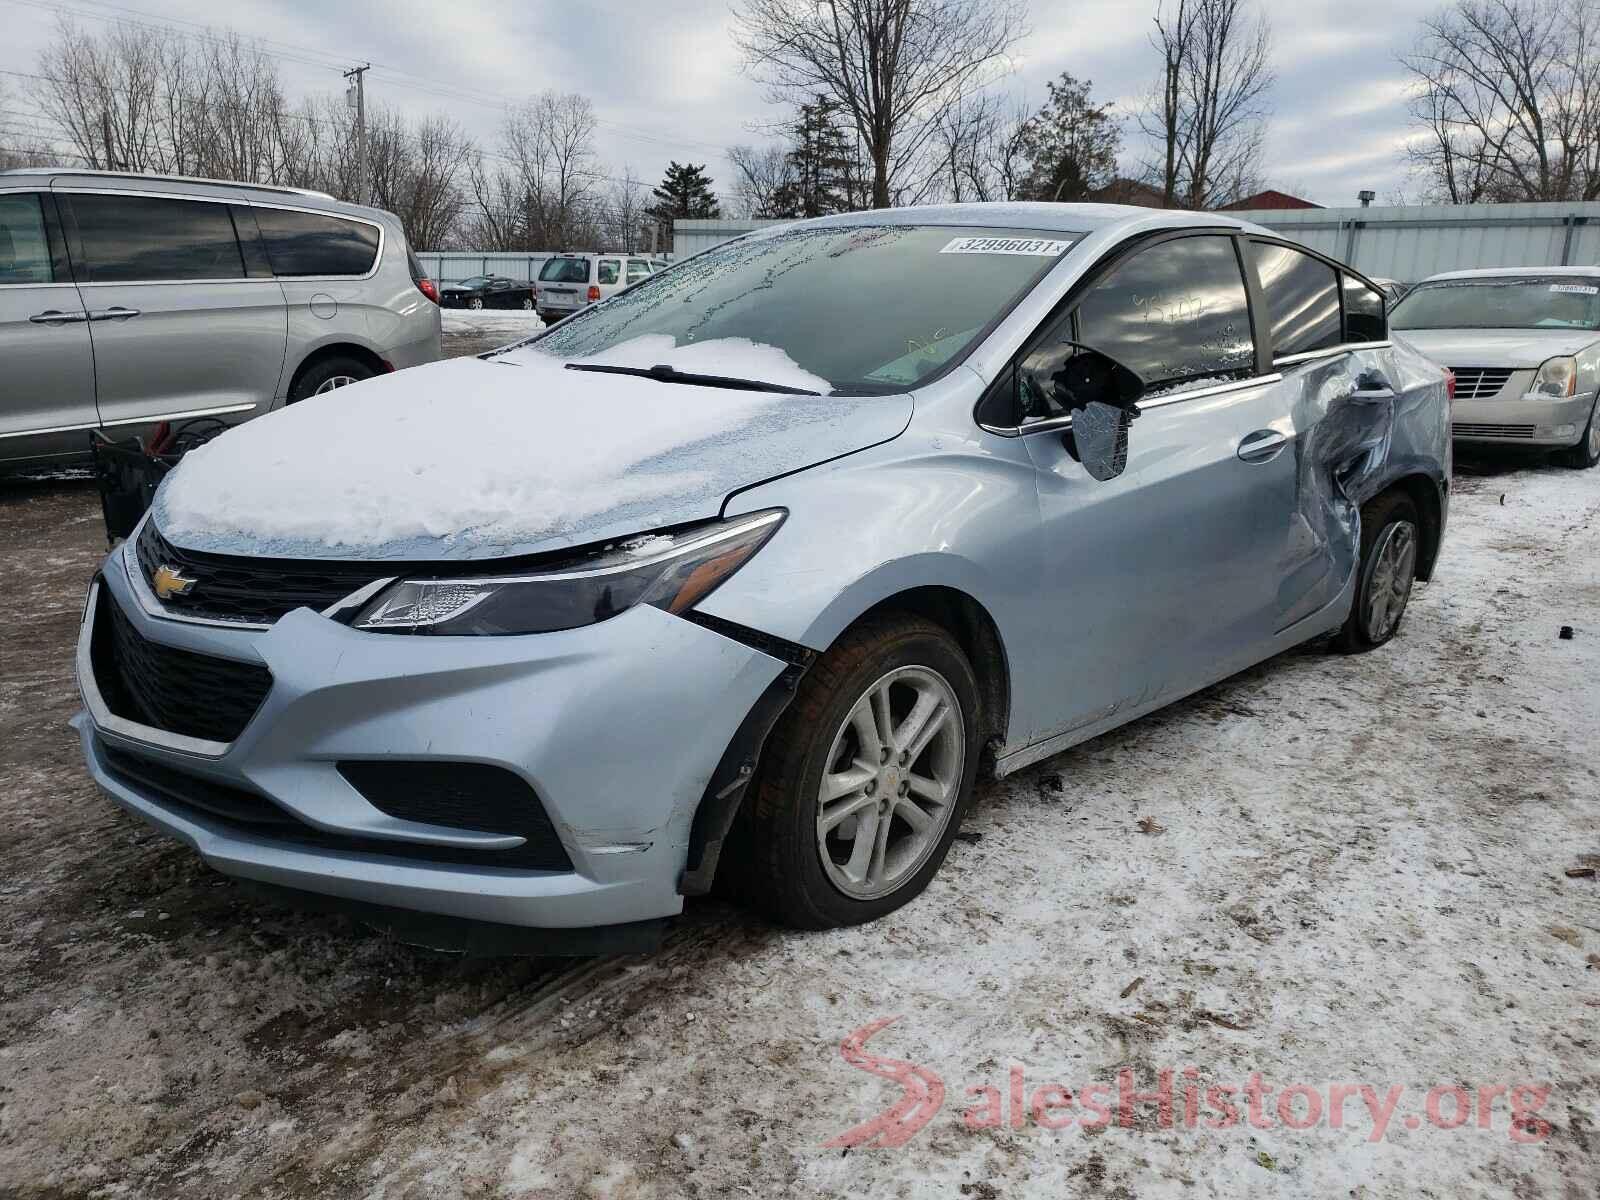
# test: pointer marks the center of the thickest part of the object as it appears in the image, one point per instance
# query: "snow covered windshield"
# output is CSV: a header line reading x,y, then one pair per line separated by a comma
x,y
1554,302
847,309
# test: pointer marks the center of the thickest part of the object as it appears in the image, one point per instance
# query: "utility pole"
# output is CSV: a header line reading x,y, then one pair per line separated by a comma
x,y
356,97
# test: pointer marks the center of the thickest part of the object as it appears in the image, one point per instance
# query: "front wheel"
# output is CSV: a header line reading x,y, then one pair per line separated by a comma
x,y
527,305
476,304
866,777
1587,452
1390,540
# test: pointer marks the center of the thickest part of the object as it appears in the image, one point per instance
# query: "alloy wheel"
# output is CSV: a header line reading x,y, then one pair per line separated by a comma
x,y
891,783
334,381
1389,588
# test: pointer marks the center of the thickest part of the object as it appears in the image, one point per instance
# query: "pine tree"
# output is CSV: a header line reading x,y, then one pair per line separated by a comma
x,y
820,165
1071,144
684,194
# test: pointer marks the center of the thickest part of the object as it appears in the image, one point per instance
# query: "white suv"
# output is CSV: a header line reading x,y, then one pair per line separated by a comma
x,y
569,282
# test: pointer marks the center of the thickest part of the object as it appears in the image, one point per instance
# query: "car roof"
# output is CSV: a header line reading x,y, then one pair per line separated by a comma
x,y
1515,273
267,193
1023,214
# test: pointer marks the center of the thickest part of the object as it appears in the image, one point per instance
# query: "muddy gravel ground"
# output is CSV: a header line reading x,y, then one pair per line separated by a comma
x,y
1327,871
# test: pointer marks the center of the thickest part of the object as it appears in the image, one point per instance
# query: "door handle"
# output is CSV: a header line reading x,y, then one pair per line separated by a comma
x,y
54,316
1372,395
1262,446
112,314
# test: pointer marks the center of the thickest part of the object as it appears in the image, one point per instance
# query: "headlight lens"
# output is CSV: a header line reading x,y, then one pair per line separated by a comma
x,y
1557,377
672,571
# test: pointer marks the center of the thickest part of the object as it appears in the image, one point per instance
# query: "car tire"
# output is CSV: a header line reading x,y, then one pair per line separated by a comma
x,y
1587,452
475,304
527,305
1391,539
327,375
810,880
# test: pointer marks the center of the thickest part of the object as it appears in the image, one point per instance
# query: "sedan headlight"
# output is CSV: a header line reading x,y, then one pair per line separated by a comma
x,y
1557,377
672,571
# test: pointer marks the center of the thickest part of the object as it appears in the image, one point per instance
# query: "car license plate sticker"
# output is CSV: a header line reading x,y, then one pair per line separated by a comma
x,y
1038,247
1576,289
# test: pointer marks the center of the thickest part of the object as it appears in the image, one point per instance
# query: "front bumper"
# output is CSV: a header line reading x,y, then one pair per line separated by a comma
x,y
1521,421
617,728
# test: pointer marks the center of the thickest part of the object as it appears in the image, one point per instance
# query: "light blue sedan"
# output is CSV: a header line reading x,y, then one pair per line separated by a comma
x,y
745,574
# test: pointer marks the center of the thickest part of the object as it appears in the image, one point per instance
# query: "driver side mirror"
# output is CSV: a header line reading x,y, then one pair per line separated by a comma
x,y
1095,390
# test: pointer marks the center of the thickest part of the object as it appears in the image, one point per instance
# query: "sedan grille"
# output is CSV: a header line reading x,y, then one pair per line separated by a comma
x,y
1480,383
1463,429
195,695
251,590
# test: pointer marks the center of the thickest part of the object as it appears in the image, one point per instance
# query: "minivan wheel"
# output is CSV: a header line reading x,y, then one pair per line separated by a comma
x,y
1587,452
328,375
865,778
1390,541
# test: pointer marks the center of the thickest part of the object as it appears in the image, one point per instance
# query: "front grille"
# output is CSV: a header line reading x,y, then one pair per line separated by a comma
x,y
1467,429
179,691
255,590
1480,383
251,812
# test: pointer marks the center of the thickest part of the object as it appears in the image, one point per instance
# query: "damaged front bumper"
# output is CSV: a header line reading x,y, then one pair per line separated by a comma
x,y
616,728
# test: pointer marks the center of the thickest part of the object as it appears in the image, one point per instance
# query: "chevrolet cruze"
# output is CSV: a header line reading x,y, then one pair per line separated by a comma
x,y
746,574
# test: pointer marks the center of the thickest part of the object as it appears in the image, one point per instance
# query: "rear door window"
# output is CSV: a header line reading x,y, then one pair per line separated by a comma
x,y
24,246
610,271
1302,295
1175,313
1364,319
308,244
138,239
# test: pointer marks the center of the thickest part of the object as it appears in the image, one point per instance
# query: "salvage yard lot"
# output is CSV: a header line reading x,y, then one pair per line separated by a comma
x,y
1327,870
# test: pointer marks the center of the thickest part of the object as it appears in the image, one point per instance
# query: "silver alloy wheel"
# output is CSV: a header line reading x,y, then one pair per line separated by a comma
x,y
1393,570
475,303
891,782
527,305
334,381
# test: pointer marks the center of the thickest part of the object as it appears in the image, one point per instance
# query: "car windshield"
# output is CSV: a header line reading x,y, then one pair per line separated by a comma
x,y
847,309
1551,302
477,281
565,270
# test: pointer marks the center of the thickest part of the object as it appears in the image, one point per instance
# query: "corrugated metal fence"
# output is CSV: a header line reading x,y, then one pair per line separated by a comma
x,y
452,266
1405,243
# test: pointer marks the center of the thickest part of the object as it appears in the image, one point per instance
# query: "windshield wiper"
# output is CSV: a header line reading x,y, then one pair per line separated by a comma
x,y
666,373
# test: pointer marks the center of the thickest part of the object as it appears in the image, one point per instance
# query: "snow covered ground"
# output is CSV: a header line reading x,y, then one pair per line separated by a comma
x,y
509,323
1327,871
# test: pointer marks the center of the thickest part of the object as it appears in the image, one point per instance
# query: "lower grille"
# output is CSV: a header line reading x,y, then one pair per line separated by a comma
x,y
179,691
1480,383
1467,429
251,812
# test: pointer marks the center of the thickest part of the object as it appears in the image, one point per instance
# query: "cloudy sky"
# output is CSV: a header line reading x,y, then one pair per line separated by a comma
x,y
667,82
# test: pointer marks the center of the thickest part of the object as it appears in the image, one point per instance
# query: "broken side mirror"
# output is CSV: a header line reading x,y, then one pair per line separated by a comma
x,y
1102,396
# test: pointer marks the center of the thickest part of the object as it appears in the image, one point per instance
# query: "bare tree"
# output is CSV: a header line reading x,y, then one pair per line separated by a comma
x,y
1209,111
108,94
763,176
1507,95
622,214
892,65
540,195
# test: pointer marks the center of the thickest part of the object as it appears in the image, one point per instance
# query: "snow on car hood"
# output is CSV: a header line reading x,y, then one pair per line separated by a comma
x,y
1515,348
478,458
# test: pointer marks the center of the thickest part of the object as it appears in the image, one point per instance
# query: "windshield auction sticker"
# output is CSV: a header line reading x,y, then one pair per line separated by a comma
x,y
1576,289
1040,247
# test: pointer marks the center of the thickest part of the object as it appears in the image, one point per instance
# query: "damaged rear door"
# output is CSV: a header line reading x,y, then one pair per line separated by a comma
x,y
1327,335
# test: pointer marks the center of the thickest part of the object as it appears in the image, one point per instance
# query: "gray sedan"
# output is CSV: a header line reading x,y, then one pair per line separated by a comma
x,y
746,574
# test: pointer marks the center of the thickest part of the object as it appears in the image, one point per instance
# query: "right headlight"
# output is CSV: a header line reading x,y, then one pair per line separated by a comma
x,y
672,571
1557,377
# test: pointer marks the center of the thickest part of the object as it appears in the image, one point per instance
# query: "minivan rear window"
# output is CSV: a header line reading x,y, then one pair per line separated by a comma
x,y
565,270
306,244
134,239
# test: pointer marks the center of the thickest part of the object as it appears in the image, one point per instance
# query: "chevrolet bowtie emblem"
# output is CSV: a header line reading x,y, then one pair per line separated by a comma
x,y
168,583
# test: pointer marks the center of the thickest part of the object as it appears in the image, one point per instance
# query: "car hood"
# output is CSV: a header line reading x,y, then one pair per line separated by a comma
x,y
1496,347
455,287
481,458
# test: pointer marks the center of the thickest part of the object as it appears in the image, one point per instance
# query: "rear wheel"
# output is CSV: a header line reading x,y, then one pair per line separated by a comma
x,y
1587,452
527,304
1390,541
866,777
327,375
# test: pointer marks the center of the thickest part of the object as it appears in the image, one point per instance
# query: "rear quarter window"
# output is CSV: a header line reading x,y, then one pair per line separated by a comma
x,y
309,244
1364,319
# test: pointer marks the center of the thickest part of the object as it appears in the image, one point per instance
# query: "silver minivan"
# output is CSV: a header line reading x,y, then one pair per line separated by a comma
x,y
127,300
570,282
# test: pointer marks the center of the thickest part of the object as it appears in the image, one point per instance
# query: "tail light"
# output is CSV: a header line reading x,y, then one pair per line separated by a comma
x,y
427,287
594,292
1450,386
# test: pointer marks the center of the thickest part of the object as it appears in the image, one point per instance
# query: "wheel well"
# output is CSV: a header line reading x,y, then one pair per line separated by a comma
x,y
975,631
338,350
1424,494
